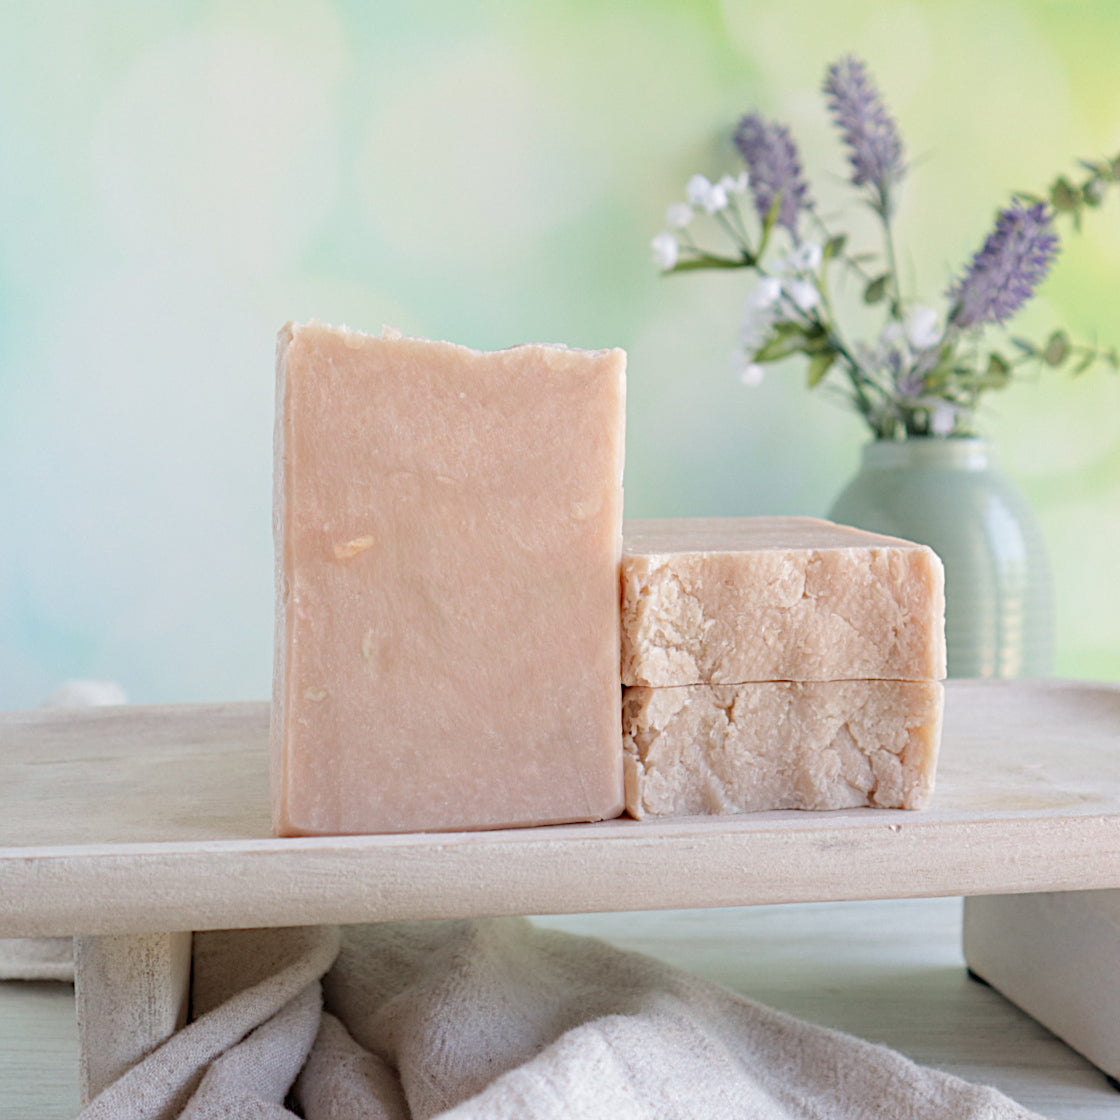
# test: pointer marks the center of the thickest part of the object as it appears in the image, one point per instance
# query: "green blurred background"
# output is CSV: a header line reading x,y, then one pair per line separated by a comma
x,y
178,179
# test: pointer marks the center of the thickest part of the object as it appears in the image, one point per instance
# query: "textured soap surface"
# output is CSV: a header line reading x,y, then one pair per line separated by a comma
x,y
709,749
726,600
448,529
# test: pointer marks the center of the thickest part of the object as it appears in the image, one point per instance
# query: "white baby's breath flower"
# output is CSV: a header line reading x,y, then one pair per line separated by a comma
x,y
718,199
678,215
806,257
766,293
736,184
706,195
760,312
803,293
942,419
755,326
922,327
697,189
666,251
750,373
891,335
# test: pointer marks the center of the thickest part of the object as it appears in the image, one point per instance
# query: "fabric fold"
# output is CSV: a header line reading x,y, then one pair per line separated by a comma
x,y
497,1019
241,979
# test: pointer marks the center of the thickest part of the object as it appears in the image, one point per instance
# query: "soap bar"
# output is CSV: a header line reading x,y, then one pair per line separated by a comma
x,y
448,531
727,600
699,749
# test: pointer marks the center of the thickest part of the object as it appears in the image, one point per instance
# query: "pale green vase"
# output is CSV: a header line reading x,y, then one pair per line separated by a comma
x,y
947,493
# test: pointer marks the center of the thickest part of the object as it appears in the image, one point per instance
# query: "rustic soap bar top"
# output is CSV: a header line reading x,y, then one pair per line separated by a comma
x,y
727,600
781,745
448,529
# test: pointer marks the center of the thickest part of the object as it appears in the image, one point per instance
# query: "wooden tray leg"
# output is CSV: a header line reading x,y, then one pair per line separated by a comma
x,y
132,992
1057,956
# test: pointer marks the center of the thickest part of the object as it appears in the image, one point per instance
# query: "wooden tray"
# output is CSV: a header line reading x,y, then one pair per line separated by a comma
x,y
130,820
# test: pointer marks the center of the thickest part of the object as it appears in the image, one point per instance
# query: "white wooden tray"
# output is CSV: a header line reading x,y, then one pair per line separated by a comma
x,y
139,820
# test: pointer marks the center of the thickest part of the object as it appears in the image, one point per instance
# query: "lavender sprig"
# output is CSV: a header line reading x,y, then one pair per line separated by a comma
x,y
869,130
925,372
775,169
1014,260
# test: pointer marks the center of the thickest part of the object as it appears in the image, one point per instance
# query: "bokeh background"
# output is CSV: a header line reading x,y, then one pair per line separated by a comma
x,y
180,177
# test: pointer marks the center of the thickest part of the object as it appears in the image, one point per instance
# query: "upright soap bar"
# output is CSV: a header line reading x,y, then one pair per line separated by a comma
x,y
448,530
727,600
700,749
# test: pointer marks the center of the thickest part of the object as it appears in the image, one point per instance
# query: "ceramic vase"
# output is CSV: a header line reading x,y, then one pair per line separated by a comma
x,y
949,494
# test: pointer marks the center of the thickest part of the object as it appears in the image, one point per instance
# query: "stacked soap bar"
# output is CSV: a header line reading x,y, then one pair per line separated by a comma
x,y
448,540
778,663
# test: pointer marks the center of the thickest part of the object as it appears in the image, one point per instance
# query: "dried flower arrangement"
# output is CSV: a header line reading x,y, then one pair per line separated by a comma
x,y
924,374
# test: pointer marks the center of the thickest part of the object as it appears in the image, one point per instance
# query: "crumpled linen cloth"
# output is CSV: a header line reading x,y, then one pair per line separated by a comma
x,y
497,1019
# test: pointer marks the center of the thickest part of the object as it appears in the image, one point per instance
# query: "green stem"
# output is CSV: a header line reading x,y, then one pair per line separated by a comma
x,y
740,225
739,239
827,235
892,265
685,238
859,383
702,260
851,366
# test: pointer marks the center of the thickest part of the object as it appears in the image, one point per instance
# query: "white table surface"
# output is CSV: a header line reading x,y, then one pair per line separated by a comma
x,y
146,820
887,971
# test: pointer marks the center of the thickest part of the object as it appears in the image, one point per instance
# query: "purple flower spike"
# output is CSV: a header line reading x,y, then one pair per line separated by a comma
x,y
869,131
1004,274
774,166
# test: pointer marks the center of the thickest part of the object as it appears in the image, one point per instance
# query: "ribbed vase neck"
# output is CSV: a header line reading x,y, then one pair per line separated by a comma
x,y
928,451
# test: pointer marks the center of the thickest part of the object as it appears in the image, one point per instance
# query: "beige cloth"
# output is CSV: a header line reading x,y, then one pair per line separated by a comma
x,y
499,1020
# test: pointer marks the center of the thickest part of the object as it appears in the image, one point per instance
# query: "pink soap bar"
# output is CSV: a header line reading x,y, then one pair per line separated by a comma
x,y
448,532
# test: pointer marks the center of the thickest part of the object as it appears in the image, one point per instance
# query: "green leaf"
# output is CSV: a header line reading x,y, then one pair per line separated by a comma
x,y
876,289
1064,196
834,247
996,376
709,260
1027,196
999,369
1089,358
939,377
788,338
819,366
792,338
1057,349
1025,345
787,328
